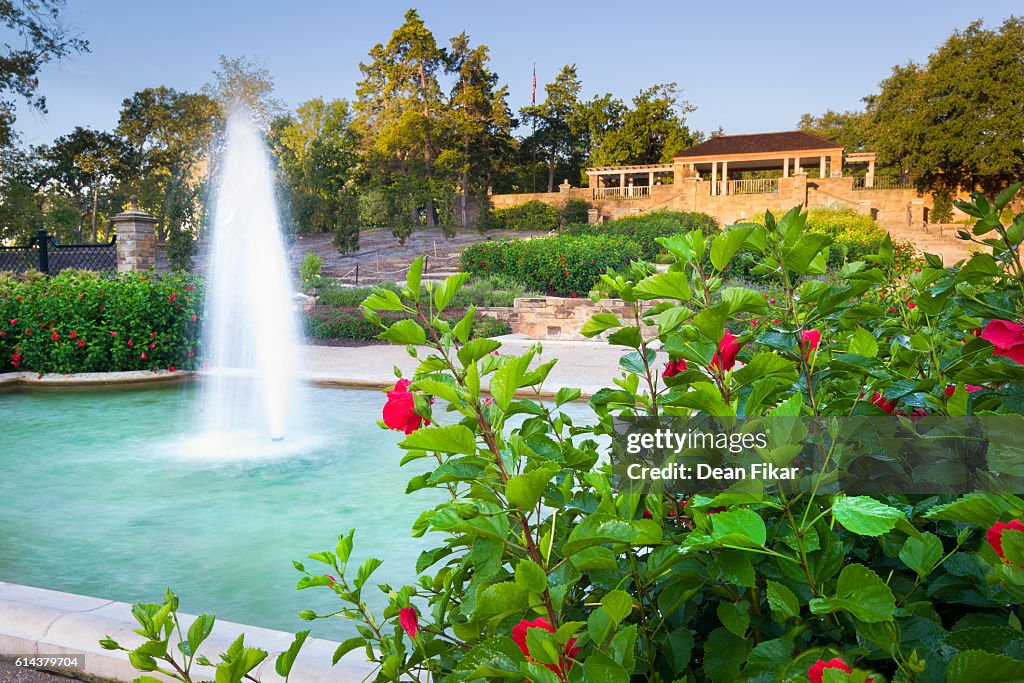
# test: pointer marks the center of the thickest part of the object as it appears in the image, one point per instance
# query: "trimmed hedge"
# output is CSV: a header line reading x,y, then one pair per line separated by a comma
x,y
563,265
80,321
533,215
644,229
347,322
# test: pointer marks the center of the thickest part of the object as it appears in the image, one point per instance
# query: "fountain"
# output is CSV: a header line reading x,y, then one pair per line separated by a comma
x,y
250,335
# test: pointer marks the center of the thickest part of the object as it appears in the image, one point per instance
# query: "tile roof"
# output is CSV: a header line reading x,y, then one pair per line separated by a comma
x,y
792,140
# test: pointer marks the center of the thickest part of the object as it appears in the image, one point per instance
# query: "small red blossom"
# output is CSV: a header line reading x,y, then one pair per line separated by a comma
x,y
171,368
14,321
809,341
817,670
81,343
399,413
725,357
911,305
673,368
172,296
409,621
519,636
113,334
73,334
969,387
131,343
1007,338
152,346
193,317
191,353
994,536
54,336
143,355
887,406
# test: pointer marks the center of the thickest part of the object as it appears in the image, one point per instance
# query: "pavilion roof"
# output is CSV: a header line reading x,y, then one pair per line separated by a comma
x,y
759,143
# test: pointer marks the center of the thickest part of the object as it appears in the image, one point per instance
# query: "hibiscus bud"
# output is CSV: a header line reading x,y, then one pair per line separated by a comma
x,y
409,621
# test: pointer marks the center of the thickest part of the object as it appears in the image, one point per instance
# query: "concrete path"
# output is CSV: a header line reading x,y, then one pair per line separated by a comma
x,y
586,365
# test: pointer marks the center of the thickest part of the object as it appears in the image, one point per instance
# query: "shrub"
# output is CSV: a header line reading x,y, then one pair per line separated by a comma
x,y
348,322
309,270
574,211
533,215
81,321
942,208
486,326
562,265
645,229
482,290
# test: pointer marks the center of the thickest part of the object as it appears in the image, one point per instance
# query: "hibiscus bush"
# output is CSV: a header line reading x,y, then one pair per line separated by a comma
x,y
83,321
545,570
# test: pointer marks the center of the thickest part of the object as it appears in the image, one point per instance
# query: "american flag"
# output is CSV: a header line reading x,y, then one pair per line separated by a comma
x,y
533,95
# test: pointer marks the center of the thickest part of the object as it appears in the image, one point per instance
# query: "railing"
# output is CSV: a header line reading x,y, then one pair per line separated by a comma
x,y
628,192
753,186
45,254
882,184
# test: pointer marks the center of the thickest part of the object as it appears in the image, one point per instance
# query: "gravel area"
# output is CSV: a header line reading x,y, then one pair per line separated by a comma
x,y
17,674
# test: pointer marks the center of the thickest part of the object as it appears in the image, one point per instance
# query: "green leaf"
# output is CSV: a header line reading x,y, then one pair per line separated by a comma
x,y
477,349
617,604
286,659
975,666
765,364
346,647
598,323
448,439
598,528
199,630
741,527
383,300
524,490
725,245
922,553
531,576
724,653
1004,197
446,290
860,592
978,509
464,327
627,336
664,286
501,598
404,332
864,515
863,343
782,601
413,277
498,657
736,299
509,378
735,617
600,668
566,395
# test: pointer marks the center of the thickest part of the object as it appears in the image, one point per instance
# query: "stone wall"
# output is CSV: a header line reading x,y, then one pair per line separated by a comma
x,y
554,318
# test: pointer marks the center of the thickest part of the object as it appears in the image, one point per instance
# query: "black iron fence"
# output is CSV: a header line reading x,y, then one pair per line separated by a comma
x,y
45,254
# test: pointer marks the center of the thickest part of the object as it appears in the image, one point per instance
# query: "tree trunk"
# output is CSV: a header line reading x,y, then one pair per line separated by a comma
x,y
551,173
428,157
464,183
95,204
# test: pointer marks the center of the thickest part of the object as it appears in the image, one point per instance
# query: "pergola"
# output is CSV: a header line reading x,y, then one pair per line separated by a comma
x,y
625,181
788,151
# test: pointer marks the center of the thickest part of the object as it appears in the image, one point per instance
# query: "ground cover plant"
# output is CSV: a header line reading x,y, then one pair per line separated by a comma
x,y
81,321
543,571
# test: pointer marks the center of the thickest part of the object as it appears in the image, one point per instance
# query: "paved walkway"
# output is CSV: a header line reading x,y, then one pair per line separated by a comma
x,y
586,365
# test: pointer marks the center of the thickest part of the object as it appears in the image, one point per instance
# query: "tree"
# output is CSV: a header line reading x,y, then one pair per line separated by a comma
x,y
46,37
480,121
82,167
955,121
244,82
317,153
401,111
168,136
652,131
557,127
851,129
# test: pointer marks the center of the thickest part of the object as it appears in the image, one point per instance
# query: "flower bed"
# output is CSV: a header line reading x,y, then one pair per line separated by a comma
x,y
80,321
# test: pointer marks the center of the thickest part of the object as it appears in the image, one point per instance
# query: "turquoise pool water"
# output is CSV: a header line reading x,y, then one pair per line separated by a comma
x,y
108,494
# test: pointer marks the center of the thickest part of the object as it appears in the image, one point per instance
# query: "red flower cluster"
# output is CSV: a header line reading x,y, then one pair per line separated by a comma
x,y
888,407
995,535
399,411
519,636
1007,337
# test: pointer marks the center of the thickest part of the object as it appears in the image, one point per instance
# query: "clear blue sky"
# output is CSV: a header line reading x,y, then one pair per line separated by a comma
x,y
748,66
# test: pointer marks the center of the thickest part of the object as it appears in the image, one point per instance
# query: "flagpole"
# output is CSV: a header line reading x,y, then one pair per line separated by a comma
x,y
533,102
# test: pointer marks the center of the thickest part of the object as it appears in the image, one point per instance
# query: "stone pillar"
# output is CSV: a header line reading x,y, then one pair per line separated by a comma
x,y
917,213
796,166
622,183
725,177
800,188
565,188
821,173
650,179
785,167
864,207
678,173
136,239
869,179
689,195
836,166
714,178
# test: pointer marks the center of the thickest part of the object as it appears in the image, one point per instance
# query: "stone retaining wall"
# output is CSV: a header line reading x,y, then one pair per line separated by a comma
x,y
555,318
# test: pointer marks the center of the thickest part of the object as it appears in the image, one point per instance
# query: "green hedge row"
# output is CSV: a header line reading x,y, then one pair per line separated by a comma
x,y
646,228
347,322
565,265
532,215
82,321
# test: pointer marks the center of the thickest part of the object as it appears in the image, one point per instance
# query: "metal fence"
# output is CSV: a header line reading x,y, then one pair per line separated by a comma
x,y
45,254
882,183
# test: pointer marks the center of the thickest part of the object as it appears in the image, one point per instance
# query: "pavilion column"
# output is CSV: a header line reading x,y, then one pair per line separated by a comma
x,y
622,184
725,177
785,167
796,166
821,174
869,181
714,178
836,164
650,179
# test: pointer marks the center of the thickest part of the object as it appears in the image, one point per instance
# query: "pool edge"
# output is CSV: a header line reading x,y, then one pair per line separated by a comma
x,y
39,621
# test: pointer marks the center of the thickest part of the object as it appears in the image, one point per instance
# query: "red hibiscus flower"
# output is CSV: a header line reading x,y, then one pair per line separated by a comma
x,y
409,621
171,368
995,535
143,355
969,387
887,406
131,343
14,321
113,334
1007,337
519,636
817,670
73,335
673,368
809,341
81,343
399,411
725,356
54,336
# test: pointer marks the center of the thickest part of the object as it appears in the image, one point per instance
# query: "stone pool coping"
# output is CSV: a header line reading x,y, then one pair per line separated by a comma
x,y
38,621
